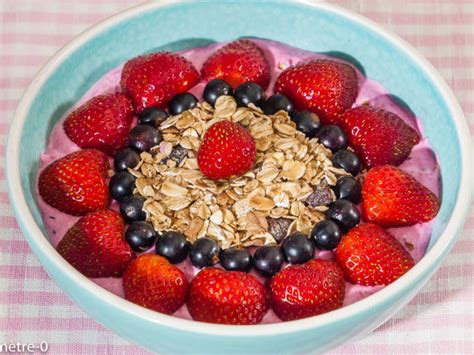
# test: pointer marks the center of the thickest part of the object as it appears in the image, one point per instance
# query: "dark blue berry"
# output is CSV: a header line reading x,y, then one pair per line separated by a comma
x,y
306,122
249,93
173,246
332,137
153,116
127,158
234,259
131,208
326,235
204,252
268,260
346,160
182,102
121,185
143,137
348,188
277,102
140,236
297,248
344,213
214,89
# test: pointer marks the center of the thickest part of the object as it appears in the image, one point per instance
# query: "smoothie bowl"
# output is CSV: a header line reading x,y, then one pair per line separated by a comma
x,y
238,186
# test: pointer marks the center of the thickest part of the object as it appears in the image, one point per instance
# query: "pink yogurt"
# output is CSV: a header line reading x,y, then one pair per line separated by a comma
x,y
422,162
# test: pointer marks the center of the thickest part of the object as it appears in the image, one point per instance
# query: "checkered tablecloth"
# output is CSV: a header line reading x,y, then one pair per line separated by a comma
x,y
33,309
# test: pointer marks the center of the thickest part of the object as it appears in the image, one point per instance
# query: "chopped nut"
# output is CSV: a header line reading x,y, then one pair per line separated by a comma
x,y
321,196
178,154
278,227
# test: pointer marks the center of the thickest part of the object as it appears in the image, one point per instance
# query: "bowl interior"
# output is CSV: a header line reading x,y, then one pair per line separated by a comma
x,y
181,25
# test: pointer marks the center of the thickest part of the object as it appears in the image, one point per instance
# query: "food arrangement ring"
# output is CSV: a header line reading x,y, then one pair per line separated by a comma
x,y
267,188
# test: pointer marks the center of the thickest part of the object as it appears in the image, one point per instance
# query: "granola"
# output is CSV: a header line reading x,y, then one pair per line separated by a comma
x,y
289,181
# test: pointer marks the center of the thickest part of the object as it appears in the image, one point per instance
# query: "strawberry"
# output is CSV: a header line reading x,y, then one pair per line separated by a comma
x,y
238,62
394,198
76,184
306,290
102,123
227,297
371,256
378,136
95,245
153,79
152,282
323,86
227,150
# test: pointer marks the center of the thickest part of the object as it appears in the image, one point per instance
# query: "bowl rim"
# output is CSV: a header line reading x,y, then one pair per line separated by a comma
x,y
35,236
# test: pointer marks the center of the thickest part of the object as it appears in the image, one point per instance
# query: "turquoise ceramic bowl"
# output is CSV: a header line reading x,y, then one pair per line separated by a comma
x,y
172,25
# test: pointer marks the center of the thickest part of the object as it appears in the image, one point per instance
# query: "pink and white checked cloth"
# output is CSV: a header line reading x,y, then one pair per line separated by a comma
x,y
440,320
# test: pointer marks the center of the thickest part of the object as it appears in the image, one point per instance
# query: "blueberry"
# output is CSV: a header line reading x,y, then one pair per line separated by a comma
x,y
306,122
268,260
173,246
214,89
127,158
234,259
204,252
297,248
143,137
131,208
277,102
326,235
344,213
332,137
249,93
348,188
121,185
140,236
346,160
182,102
153,116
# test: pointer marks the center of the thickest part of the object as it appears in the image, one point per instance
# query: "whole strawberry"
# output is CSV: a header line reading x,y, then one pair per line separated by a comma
x,y
153,79
370,256
323,86
152,282
238,62
378,136
95,245
227,150
102,123
227,297
76,184
306,290
394,198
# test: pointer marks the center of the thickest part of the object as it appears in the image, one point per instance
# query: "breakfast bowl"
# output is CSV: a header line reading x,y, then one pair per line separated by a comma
x,y
174,26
